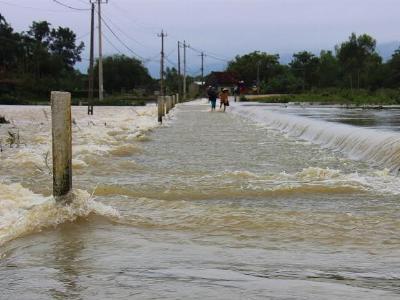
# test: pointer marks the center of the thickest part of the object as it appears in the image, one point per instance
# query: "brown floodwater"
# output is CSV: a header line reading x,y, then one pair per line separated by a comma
x,y
259,202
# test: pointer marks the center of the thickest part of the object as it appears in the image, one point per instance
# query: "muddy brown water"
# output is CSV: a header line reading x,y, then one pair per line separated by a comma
x,y
209,205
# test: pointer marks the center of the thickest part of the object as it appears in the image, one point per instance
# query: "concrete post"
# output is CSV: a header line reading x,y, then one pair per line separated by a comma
x,y
62,143
167,104
160,104
173,101
164,105
177,98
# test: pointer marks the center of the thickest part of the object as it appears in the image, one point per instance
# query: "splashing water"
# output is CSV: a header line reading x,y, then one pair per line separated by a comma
x,y
375,146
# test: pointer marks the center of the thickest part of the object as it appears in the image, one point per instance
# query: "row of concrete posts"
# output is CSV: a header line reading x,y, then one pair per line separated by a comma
x,y
62,138
165,104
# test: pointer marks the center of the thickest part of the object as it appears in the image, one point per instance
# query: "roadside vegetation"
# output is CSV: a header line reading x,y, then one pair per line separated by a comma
x,y
353,73
43,58
337,96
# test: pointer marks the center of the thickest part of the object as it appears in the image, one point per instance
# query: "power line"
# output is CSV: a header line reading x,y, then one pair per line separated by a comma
x,y
114,3
82,1
208,54
70,7
30,7
112,45
171,52
83,36
217,58
117,37
117,27
171,62
124,33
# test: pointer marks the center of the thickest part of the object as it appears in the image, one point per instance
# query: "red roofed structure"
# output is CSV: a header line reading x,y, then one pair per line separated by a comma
x,y
222,80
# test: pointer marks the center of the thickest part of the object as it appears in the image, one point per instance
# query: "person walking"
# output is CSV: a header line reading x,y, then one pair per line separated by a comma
x,y
223,97
212,97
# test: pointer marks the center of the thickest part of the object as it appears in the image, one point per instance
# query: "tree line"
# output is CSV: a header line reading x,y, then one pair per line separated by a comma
x,y
43,58
354,64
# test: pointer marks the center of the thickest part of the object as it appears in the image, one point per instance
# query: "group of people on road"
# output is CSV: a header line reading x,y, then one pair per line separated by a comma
x,y
213,95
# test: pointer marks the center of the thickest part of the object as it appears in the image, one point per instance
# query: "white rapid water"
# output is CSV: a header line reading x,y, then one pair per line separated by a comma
x,y
25,171
377,147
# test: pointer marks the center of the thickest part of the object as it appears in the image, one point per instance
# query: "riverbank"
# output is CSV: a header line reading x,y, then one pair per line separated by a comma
x,y
333,97
118,100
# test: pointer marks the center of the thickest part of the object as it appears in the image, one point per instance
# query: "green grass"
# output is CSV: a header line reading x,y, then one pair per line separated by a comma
x,y
337,96
115,100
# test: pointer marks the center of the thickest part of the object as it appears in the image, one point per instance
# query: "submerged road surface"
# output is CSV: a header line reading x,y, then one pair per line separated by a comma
x,y
209,205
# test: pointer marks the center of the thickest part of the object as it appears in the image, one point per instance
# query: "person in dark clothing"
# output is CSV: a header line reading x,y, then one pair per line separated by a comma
x,y
212,97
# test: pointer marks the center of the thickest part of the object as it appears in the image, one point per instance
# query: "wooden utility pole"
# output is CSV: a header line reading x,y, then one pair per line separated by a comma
x,y
179,68
162,84
62,143
258,77
161,99
90,104
101,88
184,70
202,72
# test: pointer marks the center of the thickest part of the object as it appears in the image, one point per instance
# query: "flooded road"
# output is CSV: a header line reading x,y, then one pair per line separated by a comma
x,y
249,204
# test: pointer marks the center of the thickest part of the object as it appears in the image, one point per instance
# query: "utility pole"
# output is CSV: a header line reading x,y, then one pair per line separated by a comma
x,y
101,96
162,85
179,68
184,69
90,104
202,67
258,76
202,71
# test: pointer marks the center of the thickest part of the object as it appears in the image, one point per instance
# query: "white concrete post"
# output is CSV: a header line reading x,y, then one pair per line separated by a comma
x,y
62,143
166,104
160,103
170,102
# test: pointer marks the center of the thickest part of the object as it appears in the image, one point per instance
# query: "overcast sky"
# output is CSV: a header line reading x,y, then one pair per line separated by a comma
x,y
223,28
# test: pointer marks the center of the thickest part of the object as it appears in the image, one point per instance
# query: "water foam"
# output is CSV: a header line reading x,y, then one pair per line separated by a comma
x,y
374,146
23,212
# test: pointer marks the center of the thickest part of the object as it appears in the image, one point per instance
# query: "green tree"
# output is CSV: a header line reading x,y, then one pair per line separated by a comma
x,y
393,70
40,32
172,80
122,72
305,66
357,57
246,66
329,70
10,48
63,45
284,82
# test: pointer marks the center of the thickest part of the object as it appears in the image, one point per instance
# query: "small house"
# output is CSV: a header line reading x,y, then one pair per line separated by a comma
x,y
223,80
